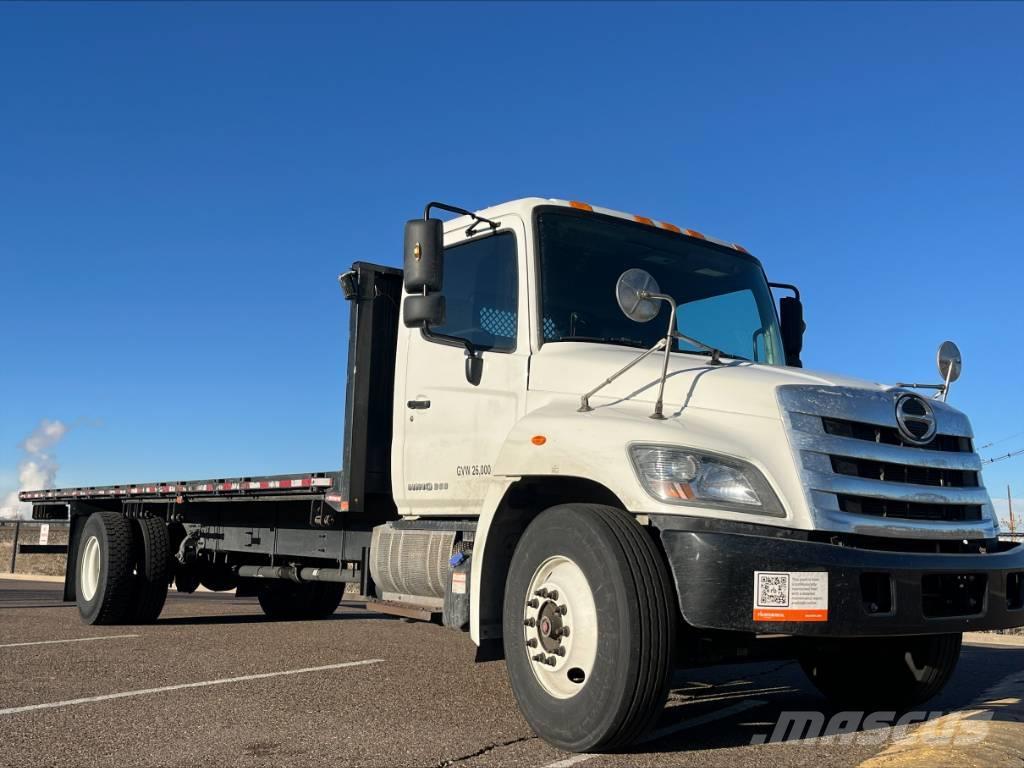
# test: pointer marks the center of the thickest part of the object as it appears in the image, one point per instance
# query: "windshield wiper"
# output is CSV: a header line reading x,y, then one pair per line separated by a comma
x,y
605,340
712,352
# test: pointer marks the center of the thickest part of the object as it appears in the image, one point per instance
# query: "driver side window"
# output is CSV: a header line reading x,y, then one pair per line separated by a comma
x,y
481,291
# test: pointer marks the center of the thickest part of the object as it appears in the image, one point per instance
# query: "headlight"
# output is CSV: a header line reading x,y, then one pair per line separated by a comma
x,y
684,476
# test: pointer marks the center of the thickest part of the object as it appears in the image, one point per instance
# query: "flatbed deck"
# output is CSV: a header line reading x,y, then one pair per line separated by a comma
x,y
290,485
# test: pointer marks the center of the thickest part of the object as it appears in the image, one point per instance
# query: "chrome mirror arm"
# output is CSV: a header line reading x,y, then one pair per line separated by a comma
x,y
658,404
585,399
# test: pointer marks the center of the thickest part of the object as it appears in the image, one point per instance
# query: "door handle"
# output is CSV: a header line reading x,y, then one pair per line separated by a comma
x,y
418,405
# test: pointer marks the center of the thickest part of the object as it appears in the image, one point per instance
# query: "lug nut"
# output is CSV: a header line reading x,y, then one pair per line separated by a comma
x,y
530,622
563,632
559,651
551,661
531,643
553,594
563,609
540,657
541,592
533,602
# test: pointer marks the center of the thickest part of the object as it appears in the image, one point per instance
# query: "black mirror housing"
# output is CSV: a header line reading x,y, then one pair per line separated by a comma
x,y
791,322
419,311
423,260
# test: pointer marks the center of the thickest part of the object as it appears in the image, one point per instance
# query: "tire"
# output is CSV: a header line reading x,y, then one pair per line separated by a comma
x,y
153,570
104,569
609,677
287,601
875,674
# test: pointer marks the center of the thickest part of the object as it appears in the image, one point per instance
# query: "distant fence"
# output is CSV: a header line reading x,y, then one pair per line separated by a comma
x,y
33,538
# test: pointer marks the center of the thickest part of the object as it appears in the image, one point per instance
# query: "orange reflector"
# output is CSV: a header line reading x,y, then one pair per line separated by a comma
x,y
644,220
538,439
694,233
581,206
671,227
740,248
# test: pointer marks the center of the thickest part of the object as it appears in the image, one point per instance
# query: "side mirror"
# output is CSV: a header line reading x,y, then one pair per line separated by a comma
x,y
423,264
792,326
950,362
632,291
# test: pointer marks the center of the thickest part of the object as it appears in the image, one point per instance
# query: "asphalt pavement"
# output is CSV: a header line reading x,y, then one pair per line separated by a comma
x,y
213,682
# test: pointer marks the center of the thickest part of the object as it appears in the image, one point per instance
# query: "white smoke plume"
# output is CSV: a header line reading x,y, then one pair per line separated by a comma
x,y
38,469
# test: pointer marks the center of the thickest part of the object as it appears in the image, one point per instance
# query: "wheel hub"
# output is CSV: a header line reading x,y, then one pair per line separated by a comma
x,y
89,570
560,627
549,626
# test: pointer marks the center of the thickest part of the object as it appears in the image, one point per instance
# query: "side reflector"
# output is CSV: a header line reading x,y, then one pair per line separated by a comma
x,y
538,439
694,233
644,220
581,206
670,227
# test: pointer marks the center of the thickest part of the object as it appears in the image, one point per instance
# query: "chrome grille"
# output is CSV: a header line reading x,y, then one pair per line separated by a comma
x,y
861,475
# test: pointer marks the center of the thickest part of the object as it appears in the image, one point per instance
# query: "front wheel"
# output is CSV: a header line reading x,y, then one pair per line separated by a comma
x,y
881,673
589,627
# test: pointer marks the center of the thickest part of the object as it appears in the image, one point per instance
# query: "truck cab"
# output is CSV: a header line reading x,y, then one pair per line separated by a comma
x,y
846,516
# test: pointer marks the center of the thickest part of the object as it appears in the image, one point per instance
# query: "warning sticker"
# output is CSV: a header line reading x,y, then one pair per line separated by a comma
x,y
459,583
790,596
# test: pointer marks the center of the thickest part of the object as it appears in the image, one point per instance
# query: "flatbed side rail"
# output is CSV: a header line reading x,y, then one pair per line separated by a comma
x,y
269,485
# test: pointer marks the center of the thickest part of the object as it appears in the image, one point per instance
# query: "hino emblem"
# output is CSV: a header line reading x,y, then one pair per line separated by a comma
x,y
915,419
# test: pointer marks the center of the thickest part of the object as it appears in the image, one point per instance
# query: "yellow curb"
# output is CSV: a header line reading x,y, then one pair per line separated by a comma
x,y
987,734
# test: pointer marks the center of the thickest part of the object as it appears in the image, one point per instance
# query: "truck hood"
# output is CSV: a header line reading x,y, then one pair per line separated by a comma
x,y
573,368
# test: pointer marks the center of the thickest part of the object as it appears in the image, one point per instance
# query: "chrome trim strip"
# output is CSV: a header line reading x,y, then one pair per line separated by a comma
x,y
831,518
865,405
881,489
852,448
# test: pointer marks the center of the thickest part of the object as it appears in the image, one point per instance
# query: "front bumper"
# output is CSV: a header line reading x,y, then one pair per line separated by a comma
x,y
869,592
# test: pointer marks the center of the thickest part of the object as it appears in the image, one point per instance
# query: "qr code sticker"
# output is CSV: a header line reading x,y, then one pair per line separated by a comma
x,y
773,590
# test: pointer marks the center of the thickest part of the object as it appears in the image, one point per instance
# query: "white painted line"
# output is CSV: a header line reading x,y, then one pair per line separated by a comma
x,y
183,686
661,733
570,761
75,640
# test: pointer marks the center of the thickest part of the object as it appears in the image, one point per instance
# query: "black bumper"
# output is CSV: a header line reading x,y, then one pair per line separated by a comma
x,y
870,592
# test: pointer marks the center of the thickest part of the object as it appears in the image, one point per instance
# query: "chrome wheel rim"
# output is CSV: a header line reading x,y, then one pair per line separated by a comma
x,y
89,571
560,627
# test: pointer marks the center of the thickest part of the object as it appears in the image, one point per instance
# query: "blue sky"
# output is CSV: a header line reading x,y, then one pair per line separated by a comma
x,y
180,184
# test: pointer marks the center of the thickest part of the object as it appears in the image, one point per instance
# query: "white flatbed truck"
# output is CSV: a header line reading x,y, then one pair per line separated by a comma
x,y
586,438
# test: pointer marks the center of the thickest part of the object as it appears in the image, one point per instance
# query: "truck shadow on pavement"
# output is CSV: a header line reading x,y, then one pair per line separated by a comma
x,y
258,618
741,706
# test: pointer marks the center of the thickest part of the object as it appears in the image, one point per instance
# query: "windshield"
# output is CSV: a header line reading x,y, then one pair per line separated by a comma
x,y
723,297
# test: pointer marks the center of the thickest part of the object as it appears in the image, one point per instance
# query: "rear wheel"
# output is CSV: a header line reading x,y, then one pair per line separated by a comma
x,y
287,601
152,575
589,627
104,577
881,673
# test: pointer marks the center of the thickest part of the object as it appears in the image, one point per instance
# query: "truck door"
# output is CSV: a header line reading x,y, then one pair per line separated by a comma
x,y
449,430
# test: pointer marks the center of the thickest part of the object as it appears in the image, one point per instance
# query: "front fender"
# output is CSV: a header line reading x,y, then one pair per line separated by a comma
x,y
558,440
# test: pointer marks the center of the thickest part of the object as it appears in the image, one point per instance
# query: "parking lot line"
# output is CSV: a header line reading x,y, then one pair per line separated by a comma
x,y
183,686
668,730
73,640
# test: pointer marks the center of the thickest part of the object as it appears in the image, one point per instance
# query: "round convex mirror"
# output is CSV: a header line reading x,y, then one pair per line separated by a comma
x,y
631,290
949,361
